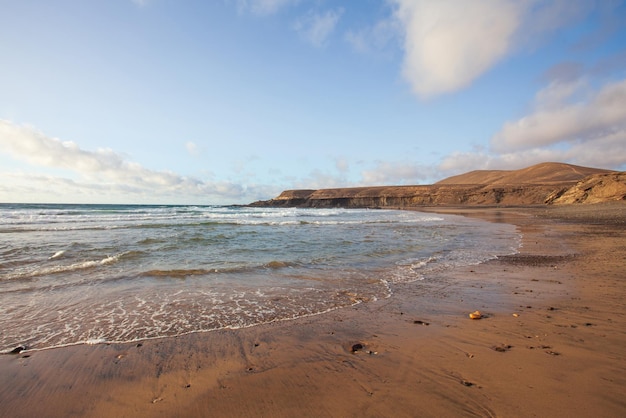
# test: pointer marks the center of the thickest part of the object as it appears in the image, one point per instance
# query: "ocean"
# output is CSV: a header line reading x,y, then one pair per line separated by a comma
x,y
88,274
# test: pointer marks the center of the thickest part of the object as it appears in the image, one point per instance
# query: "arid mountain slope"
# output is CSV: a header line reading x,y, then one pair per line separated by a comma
x,y
546,183
543,173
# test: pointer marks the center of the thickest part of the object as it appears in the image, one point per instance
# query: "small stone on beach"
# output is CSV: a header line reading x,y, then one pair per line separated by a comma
x,y
17,349
475,315
357,347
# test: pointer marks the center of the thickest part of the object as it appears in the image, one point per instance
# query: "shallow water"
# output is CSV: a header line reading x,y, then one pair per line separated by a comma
x,y
72,274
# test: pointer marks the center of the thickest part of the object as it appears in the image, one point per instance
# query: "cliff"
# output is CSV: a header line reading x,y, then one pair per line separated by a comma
x,y
594,189
546,183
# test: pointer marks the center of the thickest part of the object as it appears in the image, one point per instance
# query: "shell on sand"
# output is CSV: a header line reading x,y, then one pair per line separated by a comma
x,y
475,315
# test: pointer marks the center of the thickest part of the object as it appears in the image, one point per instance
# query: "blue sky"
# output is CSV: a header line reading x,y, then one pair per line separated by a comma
x,y
231,101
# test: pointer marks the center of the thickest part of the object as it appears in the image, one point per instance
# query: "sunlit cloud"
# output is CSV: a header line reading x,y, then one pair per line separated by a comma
x,y
569,122
315,28
559,119
103,172
404,172
449,43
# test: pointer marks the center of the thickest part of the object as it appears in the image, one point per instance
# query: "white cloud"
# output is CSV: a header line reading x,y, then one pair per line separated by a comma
x,y
449,43
315,28
557,119
388,172
608,152
342,165
463,162
569,123
374,38
192,148
103,173
263,7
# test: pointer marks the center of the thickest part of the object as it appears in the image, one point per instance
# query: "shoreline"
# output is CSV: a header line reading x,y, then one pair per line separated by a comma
x,y
414,354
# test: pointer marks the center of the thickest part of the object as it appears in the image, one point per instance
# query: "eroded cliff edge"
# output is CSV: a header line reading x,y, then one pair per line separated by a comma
x,y
546,183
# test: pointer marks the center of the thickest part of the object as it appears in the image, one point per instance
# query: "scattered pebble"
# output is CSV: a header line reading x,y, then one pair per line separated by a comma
x,y
516,315
466,383
419,322
553,353
501,348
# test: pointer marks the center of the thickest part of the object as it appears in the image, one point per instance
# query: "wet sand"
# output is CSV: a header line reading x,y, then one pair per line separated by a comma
x,y
551,343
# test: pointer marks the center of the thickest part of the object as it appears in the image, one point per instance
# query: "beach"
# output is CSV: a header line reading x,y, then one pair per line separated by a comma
x,y
550,343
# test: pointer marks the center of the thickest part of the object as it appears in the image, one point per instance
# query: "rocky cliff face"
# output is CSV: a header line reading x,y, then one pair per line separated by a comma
x,y
532,186
594,189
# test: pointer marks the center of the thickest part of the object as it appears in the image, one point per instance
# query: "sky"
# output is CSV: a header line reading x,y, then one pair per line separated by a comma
x,y
233,101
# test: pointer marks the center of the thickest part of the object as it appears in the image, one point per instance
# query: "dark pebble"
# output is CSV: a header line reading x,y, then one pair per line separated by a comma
x,y
357,347
502,348
419,322
17,349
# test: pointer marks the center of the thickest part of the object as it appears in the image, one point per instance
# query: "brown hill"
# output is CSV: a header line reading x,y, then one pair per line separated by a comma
x,y
540,184
543,173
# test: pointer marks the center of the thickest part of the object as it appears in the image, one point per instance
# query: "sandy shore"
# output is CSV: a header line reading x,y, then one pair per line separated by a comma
x,y
552,343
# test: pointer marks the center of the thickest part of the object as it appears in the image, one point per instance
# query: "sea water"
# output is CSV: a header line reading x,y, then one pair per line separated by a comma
x,y
79,274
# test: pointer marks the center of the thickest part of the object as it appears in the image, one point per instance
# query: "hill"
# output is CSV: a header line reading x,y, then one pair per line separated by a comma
x,y
543,173
545,183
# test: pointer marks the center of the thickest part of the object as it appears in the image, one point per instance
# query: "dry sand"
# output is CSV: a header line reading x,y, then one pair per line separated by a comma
x,y
552,344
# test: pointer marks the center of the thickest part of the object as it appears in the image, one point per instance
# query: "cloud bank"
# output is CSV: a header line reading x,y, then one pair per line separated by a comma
x,y
570,121
103,173
558,120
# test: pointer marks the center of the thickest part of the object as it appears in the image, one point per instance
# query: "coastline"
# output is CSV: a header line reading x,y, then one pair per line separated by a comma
x,y
417,353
